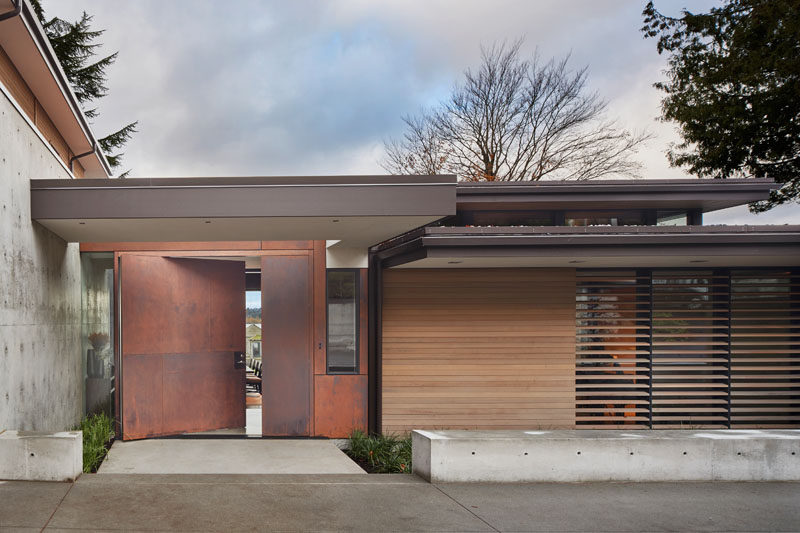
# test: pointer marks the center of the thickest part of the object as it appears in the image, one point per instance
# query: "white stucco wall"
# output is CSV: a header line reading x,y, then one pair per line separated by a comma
x,y
338,256
41,372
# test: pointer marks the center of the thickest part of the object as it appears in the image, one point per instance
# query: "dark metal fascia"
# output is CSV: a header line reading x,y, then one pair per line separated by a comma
x,y
624,187
399,240
610,240
415,242
190,182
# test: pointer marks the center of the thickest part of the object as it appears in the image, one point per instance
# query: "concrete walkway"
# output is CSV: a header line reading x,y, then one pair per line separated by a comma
x,y
391,503
227,456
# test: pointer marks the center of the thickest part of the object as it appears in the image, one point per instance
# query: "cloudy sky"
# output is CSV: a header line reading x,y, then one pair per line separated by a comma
x,y
301,87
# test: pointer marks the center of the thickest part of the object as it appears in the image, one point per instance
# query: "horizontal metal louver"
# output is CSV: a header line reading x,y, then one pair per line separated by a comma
x,y
612,374
690,349
687,349
765,349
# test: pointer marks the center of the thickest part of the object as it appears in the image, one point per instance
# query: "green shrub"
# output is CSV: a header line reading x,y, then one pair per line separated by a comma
x,y
381,453
98,430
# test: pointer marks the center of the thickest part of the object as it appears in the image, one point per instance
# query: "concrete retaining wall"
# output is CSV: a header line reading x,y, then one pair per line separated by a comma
x,y
37,456
599,455
41,368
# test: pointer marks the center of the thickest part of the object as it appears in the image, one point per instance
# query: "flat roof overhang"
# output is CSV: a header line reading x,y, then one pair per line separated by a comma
x,y
594,247
357,210
695,194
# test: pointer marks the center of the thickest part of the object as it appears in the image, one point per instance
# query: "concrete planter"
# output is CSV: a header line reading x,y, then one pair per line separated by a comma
x,y
39,456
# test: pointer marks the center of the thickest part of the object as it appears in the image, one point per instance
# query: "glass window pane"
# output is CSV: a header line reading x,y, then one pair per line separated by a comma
x,y
342,321
512,218
671,218
252,329
97,331
604,218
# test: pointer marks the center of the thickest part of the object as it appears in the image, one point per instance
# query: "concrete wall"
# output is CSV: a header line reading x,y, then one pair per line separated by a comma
x,y
41,368
606,455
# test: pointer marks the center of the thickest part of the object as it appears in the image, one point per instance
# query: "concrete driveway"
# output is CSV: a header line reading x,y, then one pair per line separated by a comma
x,y
391,503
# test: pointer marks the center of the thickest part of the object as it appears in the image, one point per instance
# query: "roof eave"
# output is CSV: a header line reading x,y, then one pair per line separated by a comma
x,y
78,134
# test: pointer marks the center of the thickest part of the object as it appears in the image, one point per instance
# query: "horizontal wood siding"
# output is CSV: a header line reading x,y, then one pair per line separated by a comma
x,y
478,349
15,83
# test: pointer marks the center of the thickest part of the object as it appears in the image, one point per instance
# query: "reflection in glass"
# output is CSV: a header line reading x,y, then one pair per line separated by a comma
x,y
342,321
97,331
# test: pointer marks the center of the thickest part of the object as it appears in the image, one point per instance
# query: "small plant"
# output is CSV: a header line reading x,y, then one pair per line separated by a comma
x,y
98,340
98,432
380,454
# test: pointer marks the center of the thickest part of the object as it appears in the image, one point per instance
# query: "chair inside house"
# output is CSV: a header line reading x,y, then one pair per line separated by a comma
x,y
253,378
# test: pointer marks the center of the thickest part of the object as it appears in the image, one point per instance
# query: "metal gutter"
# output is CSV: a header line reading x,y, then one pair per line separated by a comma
x,y
14,12
46,50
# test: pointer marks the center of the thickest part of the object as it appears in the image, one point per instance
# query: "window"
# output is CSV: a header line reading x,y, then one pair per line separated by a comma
x,y
510,218
671,218
343,312
97,331
605,218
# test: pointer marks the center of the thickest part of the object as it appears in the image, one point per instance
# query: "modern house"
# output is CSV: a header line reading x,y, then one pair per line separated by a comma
x,y
388,302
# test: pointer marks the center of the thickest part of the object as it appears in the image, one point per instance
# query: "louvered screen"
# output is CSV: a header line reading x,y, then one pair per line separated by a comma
x,y
690,349
765,349
687,349
612,363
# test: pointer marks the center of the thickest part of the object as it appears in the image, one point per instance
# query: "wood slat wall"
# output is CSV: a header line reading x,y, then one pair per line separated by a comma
x,y
478,349
688,348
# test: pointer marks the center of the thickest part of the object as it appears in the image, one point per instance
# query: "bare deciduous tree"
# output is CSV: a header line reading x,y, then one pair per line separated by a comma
x,y
515,120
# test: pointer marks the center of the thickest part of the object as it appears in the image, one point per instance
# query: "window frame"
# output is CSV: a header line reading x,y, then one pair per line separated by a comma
x,y
357,297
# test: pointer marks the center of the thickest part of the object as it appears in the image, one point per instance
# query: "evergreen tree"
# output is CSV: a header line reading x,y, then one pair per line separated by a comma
x,y
733,88
75,46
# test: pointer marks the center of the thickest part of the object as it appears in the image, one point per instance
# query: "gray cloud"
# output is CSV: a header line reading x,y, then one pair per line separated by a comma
x,y
259,88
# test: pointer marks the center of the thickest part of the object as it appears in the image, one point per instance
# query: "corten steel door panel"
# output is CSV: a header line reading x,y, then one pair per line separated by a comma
x,y
182,321
286,321
142,396
340,405
213,398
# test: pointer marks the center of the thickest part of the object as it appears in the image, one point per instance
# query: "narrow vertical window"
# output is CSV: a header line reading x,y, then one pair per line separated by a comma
x,y
343,312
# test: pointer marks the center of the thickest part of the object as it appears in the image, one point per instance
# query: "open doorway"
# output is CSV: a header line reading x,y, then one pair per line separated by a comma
x,y
253,340
209,345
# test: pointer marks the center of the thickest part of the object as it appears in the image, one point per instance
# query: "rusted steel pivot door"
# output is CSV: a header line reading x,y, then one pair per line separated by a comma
x,y
286,321
183,323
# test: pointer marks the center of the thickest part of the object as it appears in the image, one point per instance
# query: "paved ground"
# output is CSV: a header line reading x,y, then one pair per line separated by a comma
x,y
391,503
228,456
252,425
